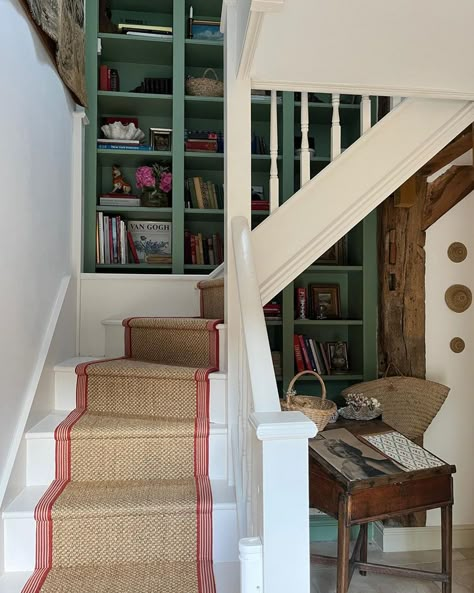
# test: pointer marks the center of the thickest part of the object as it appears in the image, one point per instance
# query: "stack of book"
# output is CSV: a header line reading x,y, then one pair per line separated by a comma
x,y
203,194
311,355
144,29
203,141
259,145
202,250
111,240
260,204
272,311
114,144
120,200
108,79
155,86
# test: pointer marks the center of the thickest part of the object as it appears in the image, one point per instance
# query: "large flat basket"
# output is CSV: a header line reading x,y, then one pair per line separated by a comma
x,y
318,409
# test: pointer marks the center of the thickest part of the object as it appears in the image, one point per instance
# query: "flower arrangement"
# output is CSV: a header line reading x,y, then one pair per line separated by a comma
x,y
156,183
360,407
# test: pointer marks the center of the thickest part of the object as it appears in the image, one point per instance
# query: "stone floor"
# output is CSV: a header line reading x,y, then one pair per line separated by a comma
x,y
323,579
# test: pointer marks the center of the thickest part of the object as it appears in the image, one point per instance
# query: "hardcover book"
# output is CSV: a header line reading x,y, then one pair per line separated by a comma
x,y
151,238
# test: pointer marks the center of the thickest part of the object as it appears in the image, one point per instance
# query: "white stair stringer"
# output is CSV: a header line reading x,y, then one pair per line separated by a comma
x,y
332,203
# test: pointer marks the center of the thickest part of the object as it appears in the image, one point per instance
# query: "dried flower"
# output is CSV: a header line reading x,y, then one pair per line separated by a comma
x,y
358,401
166,182
145,177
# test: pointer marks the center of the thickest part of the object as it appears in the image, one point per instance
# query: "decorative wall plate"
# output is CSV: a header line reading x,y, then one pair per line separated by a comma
x,y
457,252
457,345
458,298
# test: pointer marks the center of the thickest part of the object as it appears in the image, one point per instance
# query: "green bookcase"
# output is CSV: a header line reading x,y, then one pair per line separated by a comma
x,y
137,57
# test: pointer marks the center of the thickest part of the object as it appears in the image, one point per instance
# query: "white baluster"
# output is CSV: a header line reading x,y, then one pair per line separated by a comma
x,y
335,128
365,114
274,183
304,155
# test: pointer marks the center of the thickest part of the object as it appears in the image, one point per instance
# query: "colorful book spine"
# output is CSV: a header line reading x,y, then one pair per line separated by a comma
x,y
298,354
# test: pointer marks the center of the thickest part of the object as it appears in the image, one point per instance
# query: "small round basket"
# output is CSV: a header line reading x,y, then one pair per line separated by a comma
x,y
204,86
318,409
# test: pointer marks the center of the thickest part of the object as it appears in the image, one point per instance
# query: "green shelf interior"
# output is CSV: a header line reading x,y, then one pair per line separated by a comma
x,y
138,57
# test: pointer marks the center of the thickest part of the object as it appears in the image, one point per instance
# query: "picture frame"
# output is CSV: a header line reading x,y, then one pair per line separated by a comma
x,y
325,301
338,357
161,139
335,255
206,30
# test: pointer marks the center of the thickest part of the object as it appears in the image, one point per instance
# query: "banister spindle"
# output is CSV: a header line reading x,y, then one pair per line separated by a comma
x,y
365,114
335,128
274,183
304,154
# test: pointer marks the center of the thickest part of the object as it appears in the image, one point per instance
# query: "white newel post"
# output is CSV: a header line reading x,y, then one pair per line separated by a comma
x,y
237,182
283,443
251,565
365,114
304,153
274,184
335,127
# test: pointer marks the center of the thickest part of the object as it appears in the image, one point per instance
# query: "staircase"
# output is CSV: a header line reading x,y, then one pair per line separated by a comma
x,y
144,448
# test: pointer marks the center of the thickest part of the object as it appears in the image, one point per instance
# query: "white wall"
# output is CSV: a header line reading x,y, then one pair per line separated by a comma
x,y
35,173
118,296
451,435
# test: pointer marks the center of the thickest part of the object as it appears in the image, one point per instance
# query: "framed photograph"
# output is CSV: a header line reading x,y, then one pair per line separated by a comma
x,y
338,357
206,30
334,255
160,138
325,301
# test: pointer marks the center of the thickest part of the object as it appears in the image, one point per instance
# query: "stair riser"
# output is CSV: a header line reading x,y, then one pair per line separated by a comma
x,y
20,539
114,341
65,394
40,466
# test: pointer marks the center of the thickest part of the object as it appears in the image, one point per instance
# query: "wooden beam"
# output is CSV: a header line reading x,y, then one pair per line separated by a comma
x,y
446,191
405,195
457,147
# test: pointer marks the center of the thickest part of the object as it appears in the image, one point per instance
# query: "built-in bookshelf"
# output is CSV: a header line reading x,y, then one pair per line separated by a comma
x,y
137,58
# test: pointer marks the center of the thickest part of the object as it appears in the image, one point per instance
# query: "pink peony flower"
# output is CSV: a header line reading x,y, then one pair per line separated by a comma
x,y
166,182
145,178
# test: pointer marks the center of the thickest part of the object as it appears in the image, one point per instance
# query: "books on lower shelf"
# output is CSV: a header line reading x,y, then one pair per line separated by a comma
x,y
109,79
311,355
202,250
203,194
135,241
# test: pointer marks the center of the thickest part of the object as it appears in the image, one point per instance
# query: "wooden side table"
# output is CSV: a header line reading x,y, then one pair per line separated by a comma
x,y
361,501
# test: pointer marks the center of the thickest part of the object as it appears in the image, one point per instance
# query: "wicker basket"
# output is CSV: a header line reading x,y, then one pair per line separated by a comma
x,y
317,409
205,87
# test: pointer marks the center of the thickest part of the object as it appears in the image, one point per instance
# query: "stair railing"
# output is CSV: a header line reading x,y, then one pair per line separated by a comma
x,y
270,452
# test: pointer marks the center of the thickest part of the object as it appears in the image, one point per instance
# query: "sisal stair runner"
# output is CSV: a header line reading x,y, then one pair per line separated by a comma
x,y
130,510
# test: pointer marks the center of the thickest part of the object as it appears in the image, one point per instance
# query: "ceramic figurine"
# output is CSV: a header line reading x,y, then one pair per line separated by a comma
x,y
120,185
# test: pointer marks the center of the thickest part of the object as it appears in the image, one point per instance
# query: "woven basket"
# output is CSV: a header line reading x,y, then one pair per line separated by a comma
x,y
205,87
317,409
409,404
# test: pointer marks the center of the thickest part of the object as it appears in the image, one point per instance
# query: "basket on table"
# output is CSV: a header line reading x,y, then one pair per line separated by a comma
x,y
204,86
318,409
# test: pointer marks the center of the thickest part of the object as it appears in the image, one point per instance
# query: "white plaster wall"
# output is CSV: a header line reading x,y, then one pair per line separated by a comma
x,y
35,173
451,435
118,296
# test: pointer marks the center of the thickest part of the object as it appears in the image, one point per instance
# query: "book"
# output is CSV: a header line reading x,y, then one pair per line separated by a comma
x,y
151,238
149,34
123,27
118,201
133,251
118,141
298,354
104,78
114,146
307,362
201,145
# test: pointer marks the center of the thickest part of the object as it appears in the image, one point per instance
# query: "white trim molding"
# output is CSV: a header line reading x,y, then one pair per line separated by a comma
x,y
413,539
359,89
267,5
249,45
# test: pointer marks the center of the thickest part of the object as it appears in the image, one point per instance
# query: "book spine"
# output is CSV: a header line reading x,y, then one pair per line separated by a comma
x,y
111,242
325,356
197,187
316,358
193,249
298,354
97,247
301,303
103,78
201,145
201,250
132,248
307,362
205,194
101,238
312,361
113,146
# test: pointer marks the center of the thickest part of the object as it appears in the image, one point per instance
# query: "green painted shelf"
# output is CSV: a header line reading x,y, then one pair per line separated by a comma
x,y
135,267
117,47
274,321
166,6
137,212
130,158
203,214
326,322
195,267
198,52
338,377
134,104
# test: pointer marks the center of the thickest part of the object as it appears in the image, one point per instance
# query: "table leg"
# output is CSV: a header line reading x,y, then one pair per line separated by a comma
x,y
447,545
343,541
364,547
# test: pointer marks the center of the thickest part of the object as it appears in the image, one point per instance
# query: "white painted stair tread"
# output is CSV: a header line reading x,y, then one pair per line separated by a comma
x,y
45,428
71,363
227,575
